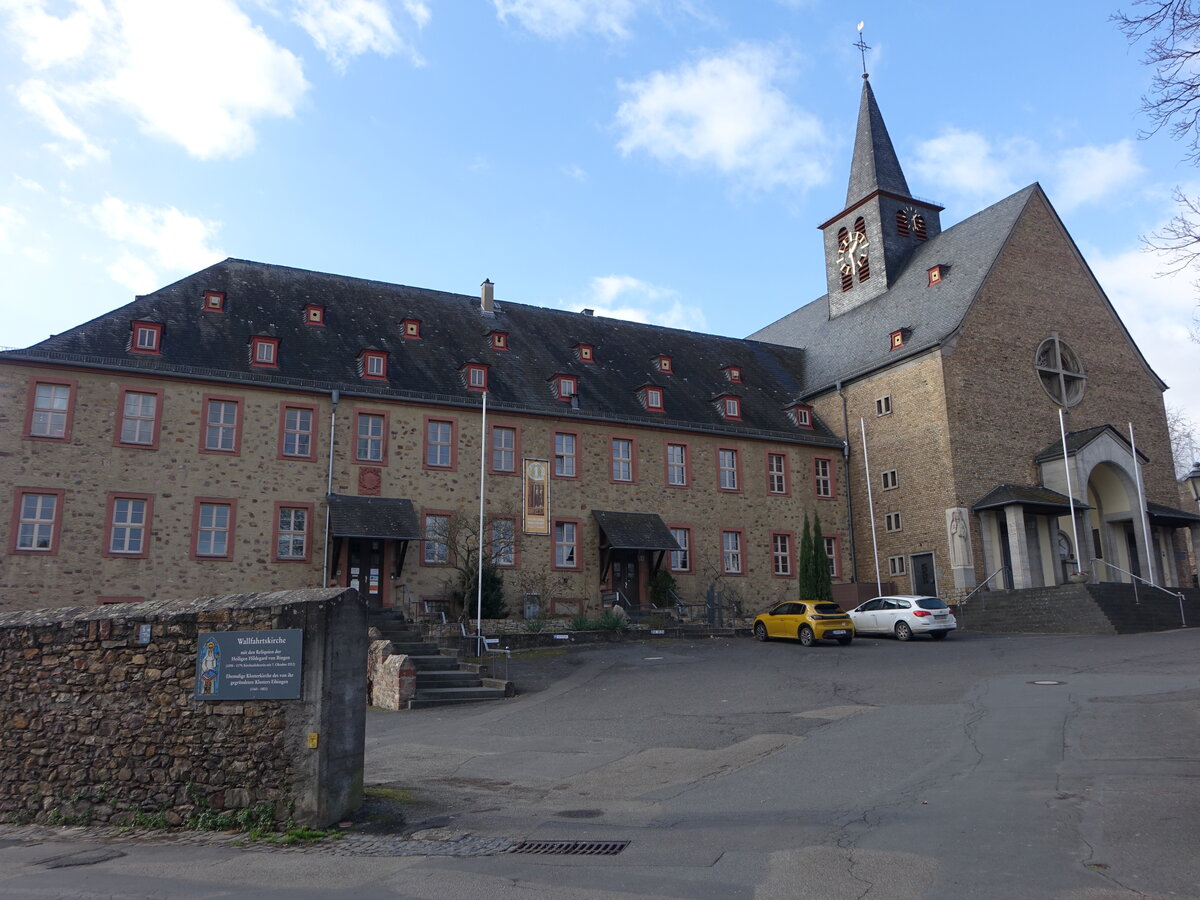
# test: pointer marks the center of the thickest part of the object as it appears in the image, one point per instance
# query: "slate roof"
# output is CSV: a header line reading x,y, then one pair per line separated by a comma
x,y
1026,495
383,518
1077,440
635,531
875,166
856,342
1169,516
264,299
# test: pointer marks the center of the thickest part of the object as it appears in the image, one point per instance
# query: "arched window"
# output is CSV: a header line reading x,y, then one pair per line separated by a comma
x,y
902,223
919,231
862,262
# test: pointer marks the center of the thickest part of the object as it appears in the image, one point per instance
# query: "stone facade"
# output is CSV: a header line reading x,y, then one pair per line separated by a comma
x,y
93,468
101,728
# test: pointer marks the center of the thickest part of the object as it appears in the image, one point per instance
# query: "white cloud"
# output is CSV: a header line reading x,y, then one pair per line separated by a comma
x,y
1089,174
172,240
578,173
198,74
562,18
629,298
343,29
29,184
726,112
10,222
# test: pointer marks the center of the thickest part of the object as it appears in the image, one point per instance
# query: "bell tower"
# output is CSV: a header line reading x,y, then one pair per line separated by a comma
x,y
868,244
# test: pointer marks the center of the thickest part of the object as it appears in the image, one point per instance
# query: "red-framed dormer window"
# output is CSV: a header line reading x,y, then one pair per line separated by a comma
x,y
899,338
498,340
373,365
585,353
564,386
264,351
663,364
314,314
214,301
730,407
651,398
935,275
800,415
412,328
145,337
733,374
476,376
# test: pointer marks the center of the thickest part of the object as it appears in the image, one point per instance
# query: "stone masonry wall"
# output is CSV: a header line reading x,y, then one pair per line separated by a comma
x,y
99,728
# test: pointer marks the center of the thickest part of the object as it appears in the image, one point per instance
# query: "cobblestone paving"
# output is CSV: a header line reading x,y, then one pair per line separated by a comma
x,y
434,842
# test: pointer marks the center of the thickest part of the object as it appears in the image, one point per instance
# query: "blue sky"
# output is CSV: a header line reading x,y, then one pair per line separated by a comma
x,y
665,160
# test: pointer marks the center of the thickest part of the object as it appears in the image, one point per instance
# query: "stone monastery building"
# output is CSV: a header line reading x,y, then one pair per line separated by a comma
x,y
256,427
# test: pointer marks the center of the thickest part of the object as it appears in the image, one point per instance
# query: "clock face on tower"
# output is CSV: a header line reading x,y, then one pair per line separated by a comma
x,y
852,251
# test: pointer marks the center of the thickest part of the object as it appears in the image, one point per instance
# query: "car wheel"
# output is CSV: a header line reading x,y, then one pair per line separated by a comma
x,y
938,635
845,641
807,638
760,632
903,632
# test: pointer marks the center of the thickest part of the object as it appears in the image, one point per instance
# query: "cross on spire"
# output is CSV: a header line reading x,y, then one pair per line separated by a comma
x,y
862,48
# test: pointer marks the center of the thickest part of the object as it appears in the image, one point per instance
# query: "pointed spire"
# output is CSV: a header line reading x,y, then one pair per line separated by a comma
x,y
875,166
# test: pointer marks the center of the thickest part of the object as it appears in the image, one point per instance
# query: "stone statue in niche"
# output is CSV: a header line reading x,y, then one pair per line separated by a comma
x,y
959,536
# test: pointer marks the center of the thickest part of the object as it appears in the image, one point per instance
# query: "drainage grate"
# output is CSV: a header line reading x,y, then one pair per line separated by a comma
x,y
570,848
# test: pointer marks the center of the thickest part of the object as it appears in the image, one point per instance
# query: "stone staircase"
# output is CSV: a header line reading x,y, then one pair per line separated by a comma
x,y
442,679
1103,608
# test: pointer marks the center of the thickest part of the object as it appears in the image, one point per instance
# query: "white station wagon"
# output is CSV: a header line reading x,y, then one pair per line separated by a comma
x,y
904,615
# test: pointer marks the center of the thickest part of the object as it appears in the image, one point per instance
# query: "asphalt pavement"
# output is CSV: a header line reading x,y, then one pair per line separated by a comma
x,y
981,766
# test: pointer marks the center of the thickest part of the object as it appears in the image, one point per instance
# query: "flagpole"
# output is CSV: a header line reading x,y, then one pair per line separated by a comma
x,y
871,507
1062,428
482,485
1137,471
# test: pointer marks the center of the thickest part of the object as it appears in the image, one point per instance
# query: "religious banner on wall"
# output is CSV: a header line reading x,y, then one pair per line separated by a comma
x,y
249,665
536,496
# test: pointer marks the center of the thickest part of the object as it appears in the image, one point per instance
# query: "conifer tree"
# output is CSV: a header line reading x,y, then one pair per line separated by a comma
x,y
807,588
822,582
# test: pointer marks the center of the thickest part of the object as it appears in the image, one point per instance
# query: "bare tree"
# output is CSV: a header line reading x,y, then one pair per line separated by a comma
x,y
453,541
1185,443
1170,30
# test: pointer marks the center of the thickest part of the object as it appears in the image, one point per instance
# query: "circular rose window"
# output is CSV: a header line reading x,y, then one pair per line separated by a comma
x,y
1059,369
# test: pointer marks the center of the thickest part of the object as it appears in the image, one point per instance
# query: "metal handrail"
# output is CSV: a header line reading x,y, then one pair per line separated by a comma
x,y
1136,578
963,602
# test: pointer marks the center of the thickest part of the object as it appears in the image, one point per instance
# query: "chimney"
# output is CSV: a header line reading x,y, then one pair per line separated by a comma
x,y
588,312
486,300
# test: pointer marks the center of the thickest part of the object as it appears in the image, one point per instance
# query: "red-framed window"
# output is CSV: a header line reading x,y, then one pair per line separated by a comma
x,y
681,559
214,301
50,409
651,398
729,469
441,443
783,564
585,353
293,531
733,374
370,437
833,552
435,547
221,430
800,415
314,314
567,534
475,376
566,455
898,339
564,387
823,478
36,520
373,365
730,407
678,465
498,340
214,521
503,549
264,352
778,477
297,431
411,328
733,551
935,275
505,449
145,337
623,460
664,364
127,525
139,417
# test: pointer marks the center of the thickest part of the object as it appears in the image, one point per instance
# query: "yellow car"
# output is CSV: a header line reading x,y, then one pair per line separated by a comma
x,y
806,621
